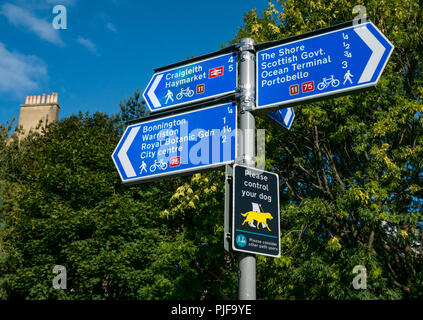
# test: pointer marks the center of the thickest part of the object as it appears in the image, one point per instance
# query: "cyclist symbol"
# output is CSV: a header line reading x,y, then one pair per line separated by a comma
x,y
185,92
326,82
158,164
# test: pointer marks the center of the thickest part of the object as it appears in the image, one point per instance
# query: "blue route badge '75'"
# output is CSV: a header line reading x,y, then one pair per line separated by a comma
x,y
195,82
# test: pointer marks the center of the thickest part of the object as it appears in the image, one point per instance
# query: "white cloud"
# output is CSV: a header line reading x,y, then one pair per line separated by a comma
x,y
62,2
43,5
24,18
88,44
20,73
111,27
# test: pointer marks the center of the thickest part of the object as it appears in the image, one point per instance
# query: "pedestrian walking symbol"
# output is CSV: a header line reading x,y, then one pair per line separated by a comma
x,y
143,167
347,77
169,95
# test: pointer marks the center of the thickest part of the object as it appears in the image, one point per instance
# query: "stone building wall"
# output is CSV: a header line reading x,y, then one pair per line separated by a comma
x,y
36,108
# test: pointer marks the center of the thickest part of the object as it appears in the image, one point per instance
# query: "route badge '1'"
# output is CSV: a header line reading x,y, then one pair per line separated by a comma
x,y
195,82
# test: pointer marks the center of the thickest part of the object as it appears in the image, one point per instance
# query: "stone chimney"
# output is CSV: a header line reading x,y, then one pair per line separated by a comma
x,y
36,108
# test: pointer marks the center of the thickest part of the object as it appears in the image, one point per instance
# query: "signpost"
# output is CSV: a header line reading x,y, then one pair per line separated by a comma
x,y
192,82
247,125
326,64
256,223
186,142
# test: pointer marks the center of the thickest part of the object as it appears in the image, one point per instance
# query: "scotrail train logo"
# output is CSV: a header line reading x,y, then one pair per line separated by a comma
x,y
215,72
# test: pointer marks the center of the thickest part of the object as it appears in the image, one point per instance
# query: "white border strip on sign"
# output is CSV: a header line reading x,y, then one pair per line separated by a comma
x,y
233,212
196,100
123,153
171,173
290,116
377,53
151,93
323,94
114,152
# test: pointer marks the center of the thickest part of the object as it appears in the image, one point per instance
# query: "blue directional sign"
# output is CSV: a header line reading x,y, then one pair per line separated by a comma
x,y
326,64
284,117
193,82
177,144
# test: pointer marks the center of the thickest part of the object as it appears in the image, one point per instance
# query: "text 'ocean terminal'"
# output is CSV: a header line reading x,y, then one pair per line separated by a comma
x,y
290,64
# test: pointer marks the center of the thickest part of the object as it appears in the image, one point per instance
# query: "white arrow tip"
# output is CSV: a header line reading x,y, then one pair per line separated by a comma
x,y
151,92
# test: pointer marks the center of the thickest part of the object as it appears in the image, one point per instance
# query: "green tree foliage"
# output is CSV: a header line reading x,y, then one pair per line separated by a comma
x,y
351,192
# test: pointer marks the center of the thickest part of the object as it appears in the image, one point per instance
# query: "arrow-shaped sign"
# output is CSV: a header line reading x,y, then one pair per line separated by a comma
x,y
283,117
324,64
182,143
377,52
151,93
123,153
193,82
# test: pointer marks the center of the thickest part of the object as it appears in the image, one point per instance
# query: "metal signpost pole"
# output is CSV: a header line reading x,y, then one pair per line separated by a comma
x,y
247,262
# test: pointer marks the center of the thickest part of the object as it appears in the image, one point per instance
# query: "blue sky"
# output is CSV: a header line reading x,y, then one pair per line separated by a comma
x,y
108,50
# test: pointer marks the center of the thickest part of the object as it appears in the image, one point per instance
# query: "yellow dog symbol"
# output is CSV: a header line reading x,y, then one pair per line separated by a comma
x,y
260,217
